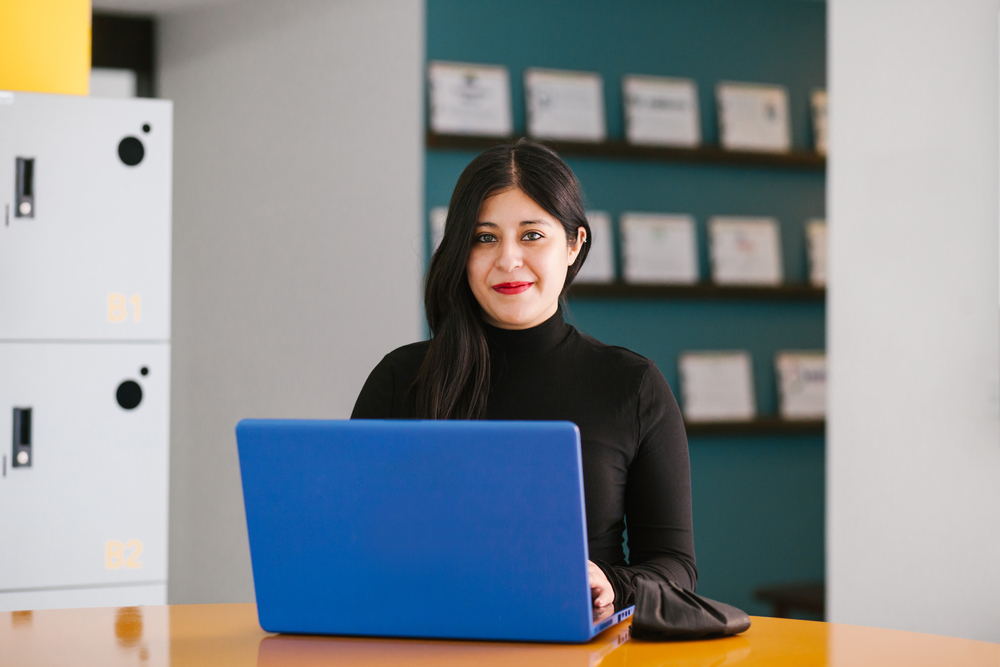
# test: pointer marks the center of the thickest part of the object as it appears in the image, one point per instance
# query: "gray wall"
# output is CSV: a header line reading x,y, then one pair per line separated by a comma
x,y
913,456
297,220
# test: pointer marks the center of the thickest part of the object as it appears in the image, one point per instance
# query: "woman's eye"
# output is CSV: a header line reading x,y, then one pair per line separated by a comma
x,y
485,238
532,236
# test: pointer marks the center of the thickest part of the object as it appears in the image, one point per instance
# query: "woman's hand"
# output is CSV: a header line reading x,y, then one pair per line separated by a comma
x,y
601,592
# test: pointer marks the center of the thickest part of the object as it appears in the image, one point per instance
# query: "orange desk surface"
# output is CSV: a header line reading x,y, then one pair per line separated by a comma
x,y
228,634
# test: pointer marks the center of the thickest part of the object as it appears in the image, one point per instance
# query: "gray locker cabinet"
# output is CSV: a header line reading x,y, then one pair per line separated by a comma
x,y
85,188
92,260
91,510
67,598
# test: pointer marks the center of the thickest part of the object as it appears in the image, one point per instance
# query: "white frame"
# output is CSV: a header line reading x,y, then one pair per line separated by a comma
x,y
444,118
818,115
743,132
600,265
817,265
639,267
787,408
700,408
723,273
565,124
661,128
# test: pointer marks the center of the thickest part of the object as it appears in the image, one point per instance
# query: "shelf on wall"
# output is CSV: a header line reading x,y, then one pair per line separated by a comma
x,y
621,150
794,292
759,426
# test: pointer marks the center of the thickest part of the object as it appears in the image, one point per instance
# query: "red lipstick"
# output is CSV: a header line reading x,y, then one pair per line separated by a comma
x,y
512,288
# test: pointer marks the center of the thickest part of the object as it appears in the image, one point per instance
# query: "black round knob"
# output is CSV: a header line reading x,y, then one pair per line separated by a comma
x,y
129,394
130,151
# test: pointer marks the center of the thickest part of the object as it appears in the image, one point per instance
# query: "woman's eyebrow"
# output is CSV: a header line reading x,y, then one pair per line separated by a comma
x,y
524,223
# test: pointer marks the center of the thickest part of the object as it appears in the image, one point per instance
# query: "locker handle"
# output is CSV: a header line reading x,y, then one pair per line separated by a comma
x,y
24,204
22,438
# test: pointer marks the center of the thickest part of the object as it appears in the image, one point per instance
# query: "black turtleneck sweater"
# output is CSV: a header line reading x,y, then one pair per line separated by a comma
x,y
635,453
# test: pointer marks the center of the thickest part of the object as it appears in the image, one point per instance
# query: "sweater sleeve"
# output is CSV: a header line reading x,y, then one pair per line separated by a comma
x,y
657,497
376,398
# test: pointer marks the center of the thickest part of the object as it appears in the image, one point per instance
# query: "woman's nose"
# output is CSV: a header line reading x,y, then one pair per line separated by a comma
x,y
510,256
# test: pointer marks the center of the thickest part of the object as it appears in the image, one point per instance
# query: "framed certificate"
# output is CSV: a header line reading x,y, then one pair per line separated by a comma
x,y
661,111
438,216
717,386
470,99
753,117
600,264
564,104
658,248
817,102
745,251
816,251
801,384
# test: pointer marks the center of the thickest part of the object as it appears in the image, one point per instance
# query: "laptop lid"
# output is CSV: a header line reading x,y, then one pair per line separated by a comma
x,y
451,529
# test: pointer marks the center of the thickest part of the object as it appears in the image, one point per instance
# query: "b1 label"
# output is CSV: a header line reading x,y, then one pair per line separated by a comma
x,y
119,307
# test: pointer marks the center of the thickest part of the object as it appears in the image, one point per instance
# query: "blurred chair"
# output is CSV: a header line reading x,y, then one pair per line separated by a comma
x,y
806,596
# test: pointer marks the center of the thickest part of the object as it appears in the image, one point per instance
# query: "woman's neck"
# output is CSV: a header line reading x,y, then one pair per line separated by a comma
x,y
531,342
518,326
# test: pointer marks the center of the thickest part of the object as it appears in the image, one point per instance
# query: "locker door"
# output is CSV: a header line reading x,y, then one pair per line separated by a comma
x,y
85,230
88,506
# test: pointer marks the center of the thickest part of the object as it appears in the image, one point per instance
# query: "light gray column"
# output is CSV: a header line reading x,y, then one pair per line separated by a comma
x,y
913,463
297,237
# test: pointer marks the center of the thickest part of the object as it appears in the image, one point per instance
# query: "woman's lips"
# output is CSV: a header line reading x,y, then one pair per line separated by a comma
x,y
512,288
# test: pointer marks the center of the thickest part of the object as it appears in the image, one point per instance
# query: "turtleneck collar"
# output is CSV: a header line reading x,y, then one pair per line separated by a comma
x,y
532,342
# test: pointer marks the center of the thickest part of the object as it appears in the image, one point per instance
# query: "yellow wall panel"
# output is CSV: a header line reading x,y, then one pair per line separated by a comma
x,y
45,46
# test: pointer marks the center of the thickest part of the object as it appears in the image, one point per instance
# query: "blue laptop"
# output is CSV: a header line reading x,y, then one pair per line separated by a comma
x,y
435,529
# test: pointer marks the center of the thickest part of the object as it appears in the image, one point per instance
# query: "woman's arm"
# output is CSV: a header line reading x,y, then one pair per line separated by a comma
x,y
657,496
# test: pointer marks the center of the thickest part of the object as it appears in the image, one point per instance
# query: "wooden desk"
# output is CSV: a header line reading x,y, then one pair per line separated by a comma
x,y
228,634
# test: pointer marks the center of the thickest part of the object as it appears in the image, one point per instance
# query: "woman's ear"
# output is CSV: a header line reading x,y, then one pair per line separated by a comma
x,y
575,248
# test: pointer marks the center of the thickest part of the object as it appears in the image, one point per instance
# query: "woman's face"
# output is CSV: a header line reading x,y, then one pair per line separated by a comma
x,y
517,266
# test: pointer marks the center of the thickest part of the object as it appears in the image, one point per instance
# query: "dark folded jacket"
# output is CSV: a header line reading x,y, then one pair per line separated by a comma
x,y
664,610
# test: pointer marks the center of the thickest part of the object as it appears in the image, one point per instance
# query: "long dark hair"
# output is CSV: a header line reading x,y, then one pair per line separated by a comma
x,y
454,380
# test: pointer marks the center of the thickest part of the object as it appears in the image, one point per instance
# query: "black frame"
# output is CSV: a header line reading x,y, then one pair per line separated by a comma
x,y
126,41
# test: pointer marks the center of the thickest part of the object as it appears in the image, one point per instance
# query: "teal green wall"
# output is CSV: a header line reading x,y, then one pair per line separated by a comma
x,y
758,501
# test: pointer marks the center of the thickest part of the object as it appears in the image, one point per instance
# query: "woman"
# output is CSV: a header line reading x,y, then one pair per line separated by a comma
x,y
515,237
